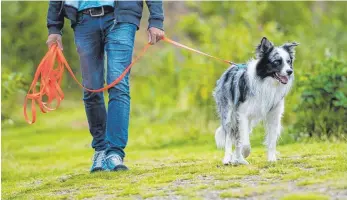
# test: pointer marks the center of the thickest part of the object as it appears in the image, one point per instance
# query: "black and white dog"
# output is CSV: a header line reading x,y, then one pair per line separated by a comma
x,y
247,95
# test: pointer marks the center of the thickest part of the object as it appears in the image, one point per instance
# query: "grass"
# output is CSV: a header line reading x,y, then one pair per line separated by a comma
x,y
51,160
306,197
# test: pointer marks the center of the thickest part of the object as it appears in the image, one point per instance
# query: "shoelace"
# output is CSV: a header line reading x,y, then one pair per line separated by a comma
x,y
98,158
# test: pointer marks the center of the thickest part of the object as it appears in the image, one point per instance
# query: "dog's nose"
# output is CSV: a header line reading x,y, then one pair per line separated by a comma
x,y
289,72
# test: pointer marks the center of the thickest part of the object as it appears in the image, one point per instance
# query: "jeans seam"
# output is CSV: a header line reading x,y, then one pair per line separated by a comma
x,y
113,25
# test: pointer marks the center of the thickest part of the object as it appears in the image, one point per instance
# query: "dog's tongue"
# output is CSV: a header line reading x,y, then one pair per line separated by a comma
x,y
284,79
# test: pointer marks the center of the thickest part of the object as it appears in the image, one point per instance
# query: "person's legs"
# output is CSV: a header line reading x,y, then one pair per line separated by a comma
x,y
119,44
89,42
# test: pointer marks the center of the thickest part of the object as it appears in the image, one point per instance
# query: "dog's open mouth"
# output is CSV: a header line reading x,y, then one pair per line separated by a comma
x,y
280,78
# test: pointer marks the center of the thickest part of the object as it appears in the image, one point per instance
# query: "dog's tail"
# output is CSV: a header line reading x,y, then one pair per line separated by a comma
x,y
220,137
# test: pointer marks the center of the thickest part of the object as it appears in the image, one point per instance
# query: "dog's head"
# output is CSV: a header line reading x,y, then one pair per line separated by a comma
x,y
275,62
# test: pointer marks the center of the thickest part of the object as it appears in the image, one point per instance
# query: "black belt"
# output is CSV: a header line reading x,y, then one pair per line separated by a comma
x,y
98,11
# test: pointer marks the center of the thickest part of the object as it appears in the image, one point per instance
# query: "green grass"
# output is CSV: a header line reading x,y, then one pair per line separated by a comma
x,y
51,160
310,196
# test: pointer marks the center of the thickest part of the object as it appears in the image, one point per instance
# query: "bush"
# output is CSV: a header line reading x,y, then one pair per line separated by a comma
x,y
322,112
11,84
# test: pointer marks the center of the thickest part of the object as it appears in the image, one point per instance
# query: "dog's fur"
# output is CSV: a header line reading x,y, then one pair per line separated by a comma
x,y
246,96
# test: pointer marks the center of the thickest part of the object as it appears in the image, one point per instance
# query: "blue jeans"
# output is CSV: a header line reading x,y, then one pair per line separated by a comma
x,y
95,37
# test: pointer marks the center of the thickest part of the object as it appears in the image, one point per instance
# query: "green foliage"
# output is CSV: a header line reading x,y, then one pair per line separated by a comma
x,y
322,111
11,83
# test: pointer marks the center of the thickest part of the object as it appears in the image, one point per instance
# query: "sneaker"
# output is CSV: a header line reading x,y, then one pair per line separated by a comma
x,y
115,163
98,161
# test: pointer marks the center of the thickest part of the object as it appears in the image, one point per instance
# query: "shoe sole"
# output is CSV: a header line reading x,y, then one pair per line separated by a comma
x,y
120,168
97,169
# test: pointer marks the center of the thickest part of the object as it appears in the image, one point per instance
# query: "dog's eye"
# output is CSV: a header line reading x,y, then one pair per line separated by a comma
x,y
277,62
289,61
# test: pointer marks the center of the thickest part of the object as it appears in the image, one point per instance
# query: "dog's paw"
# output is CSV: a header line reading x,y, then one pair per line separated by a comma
x,y
246,150
271,157
227,159
239,161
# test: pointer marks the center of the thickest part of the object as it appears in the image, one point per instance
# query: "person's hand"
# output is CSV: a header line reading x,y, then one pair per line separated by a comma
x,y
154,35
52,38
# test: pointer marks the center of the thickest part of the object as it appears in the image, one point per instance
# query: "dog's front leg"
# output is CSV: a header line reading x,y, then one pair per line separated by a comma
x,y
273,130
242,140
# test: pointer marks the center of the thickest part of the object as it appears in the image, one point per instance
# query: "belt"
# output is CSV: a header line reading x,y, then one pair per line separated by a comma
x,y
98,11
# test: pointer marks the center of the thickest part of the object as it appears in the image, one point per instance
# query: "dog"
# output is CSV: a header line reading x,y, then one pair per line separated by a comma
x,y
250,93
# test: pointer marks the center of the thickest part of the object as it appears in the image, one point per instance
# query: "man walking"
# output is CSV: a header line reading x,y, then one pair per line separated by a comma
x,y
105,27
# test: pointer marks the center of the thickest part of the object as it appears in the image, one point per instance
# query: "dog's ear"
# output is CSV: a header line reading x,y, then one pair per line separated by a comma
x,y
290,48
264,47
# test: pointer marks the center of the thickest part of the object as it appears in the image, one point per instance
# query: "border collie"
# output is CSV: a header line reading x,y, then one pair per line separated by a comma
x,y
250,93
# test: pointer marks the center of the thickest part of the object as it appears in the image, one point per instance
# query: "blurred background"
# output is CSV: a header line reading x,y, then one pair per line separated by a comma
x,y
173,86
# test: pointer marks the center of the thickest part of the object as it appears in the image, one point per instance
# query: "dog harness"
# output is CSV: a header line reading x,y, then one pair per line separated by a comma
x,y
241,65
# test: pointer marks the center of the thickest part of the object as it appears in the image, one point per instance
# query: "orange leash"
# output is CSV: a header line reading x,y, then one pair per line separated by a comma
x,y
51,78
194,50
